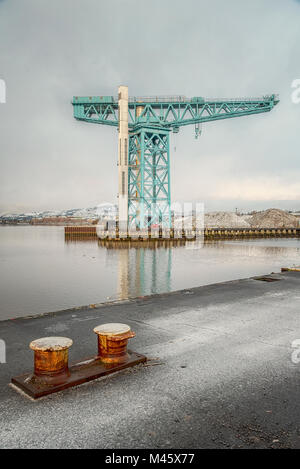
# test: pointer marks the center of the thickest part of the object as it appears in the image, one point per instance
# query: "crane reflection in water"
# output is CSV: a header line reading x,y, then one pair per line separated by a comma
x,y
142,270
141,267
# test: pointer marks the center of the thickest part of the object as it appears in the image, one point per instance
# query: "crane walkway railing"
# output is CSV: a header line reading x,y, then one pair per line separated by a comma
x,y
184,99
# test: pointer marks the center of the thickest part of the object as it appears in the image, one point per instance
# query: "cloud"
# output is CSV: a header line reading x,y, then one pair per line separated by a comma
x,y
258,188
51,51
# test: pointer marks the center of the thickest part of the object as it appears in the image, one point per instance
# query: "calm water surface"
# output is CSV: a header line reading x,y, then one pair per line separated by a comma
x,y
41,272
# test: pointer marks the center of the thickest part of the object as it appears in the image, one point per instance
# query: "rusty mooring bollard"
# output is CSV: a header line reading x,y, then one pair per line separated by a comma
x,y
112,342
51,359
51,370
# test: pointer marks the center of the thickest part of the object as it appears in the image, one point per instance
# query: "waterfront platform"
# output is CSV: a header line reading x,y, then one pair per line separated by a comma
x,y
173,235
220,372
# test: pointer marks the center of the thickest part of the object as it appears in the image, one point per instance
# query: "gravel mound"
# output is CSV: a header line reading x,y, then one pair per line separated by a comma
x,y
225,220
273,218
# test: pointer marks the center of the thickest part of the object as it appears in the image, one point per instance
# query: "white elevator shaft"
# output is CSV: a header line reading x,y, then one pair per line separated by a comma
x,y
123,158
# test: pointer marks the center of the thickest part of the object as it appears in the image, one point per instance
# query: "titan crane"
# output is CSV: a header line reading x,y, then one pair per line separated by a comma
x,y
144,125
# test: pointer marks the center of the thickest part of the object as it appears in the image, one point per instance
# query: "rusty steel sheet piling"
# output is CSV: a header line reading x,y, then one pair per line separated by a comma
x,y
75,233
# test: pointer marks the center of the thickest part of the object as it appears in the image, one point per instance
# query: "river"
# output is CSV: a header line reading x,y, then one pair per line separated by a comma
x,y
41,272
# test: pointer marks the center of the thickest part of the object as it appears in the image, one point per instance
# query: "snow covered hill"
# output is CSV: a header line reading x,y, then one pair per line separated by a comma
x,y
104,210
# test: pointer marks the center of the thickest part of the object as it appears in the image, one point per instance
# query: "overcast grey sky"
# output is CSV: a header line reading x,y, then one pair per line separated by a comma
x,y
52,50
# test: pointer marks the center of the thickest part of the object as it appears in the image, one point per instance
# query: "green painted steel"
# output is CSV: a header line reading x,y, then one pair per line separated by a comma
x,y
149,199
163,112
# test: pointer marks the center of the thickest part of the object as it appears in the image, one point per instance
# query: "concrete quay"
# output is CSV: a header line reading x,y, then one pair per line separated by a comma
x,y
220,372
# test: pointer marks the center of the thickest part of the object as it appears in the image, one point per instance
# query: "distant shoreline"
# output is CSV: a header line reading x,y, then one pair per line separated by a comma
x,y
271,218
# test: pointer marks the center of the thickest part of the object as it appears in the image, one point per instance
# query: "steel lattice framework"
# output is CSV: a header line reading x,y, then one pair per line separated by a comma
x,y
149,178
150,120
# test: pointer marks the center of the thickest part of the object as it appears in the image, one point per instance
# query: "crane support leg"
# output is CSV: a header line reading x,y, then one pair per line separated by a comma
x,y
149,178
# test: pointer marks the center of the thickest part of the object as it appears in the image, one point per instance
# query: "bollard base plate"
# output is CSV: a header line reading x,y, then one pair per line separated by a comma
x,y
80,372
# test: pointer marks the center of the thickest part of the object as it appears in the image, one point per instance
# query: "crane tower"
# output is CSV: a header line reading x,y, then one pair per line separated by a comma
x,y
144,125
